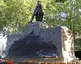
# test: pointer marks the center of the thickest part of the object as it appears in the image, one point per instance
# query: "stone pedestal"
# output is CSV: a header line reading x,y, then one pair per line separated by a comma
x,y
36,27
67,44
60,36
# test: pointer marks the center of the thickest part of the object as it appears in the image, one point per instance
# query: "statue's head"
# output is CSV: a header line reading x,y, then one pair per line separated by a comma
x,y
39,5
38,2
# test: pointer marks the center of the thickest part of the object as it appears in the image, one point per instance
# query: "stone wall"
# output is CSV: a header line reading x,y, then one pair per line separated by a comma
x,y
52,35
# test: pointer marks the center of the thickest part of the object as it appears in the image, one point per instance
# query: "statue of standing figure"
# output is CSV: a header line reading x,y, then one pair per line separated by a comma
x,y
38,12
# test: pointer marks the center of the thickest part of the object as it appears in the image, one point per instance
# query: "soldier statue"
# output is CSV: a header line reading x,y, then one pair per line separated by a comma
x,y
38,12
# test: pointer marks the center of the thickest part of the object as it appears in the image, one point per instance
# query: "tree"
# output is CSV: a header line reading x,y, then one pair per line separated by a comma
x,y
67,14
14,14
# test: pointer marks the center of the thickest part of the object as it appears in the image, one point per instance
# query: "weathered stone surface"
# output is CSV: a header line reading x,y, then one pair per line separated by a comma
x,y
59,39
67,44
31,46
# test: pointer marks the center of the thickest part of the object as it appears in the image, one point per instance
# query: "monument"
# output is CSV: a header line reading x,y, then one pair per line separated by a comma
x,y
38,12
38,42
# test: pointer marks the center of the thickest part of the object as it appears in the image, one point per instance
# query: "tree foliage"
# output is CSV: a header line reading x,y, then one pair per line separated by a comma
x,y
14,14
65,14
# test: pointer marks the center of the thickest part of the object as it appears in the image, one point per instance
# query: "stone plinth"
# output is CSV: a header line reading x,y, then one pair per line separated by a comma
x,y
60,37
67,44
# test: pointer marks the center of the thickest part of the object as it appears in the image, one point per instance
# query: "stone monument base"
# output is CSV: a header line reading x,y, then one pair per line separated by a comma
x,y
50,42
